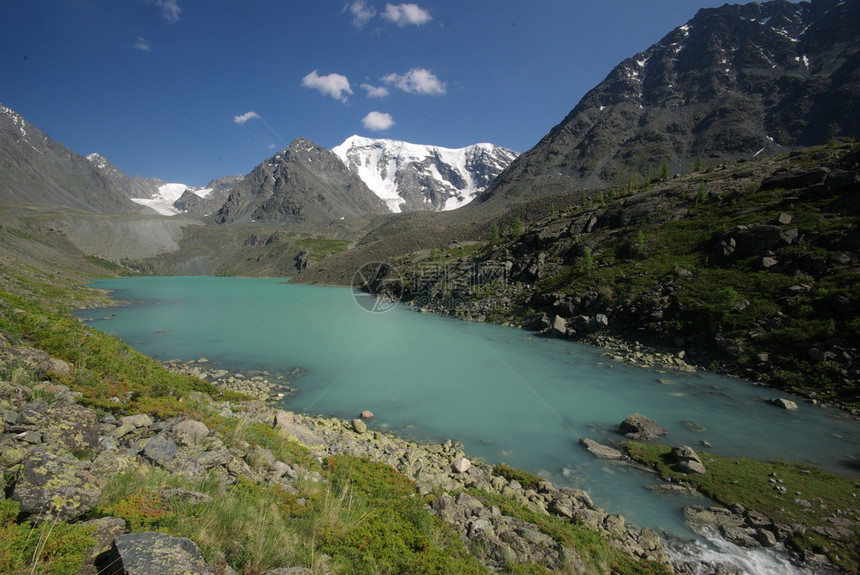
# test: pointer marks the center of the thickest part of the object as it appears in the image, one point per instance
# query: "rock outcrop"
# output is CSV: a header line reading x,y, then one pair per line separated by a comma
x,y
639,427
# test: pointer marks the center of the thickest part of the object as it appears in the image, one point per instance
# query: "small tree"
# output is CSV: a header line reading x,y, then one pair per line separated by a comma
x,y
664,171
699,165
494,234
587,259
517,227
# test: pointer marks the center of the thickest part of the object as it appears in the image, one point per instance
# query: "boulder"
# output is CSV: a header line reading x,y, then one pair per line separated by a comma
x,y
74,427
599,450
138,420
559,326
639,427
148,553
160,449
687,459
461,465
285,423
359,426
783,403
366,414
105,530
190,432
55,488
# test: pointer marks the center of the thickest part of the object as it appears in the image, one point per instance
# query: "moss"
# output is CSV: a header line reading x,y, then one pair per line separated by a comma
x,y
787,493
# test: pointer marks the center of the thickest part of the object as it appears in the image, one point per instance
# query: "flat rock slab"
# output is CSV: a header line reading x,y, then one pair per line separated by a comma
x,y
599,450
150,553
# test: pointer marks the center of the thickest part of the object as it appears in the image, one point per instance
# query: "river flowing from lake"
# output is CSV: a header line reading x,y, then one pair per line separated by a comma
x,y
506,394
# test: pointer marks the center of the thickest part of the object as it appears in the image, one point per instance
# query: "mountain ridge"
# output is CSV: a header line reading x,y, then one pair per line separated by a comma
x,y
732,82
411,177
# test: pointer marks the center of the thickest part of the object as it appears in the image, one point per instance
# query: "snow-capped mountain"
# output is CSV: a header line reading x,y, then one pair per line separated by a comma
x,y
411,177
167,199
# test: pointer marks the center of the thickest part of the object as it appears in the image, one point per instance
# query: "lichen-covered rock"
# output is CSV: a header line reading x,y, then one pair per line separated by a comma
x,y
149,553
105,530
73,426
49,488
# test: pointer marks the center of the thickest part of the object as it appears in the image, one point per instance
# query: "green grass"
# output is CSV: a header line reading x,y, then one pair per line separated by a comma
x,y
364,516
51,548
320,248
752,484
103,365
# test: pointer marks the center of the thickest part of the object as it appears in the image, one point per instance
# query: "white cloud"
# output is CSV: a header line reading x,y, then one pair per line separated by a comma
x,y
375,91
406,14
361,13
142,45
377,121
416,81
170,9
334,85
242,118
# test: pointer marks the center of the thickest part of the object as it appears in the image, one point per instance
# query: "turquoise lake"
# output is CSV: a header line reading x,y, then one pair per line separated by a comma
x,y
506,394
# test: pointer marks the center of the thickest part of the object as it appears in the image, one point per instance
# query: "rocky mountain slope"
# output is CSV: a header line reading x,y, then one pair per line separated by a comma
x,y
303,184
413,177
751,267
168,199
35,170
733,82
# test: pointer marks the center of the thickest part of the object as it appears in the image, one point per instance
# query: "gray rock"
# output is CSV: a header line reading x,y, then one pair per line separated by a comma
x,y
687,459
285,423
210,459
359,426
160,449
106,529
195,497
74,427
154,553
54,488
599,450
639,427
783,403
190,432
114,461
138,420
461,465
559,325
366,414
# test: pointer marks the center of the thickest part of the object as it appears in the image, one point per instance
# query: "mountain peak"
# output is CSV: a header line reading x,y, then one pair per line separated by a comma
x,y
412,177
733,82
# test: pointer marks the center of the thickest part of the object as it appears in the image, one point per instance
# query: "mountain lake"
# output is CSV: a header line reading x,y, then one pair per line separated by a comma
x,y
507,394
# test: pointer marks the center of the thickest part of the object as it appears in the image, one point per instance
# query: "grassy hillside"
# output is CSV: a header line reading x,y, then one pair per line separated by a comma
x,y
750,267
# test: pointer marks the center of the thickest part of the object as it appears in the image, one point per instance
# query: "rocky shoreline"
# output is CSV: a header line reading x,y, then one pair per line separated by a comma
x,y
59,454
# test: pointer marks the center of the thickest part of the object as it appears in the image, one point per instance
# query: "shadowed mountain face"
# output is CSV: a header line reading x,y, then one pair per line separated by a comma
x,y
303,184
733,82
35,170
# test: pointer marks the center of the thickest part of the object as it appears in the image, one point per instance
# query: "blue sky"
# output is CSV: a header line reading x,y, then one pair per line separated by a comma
x,y
190,90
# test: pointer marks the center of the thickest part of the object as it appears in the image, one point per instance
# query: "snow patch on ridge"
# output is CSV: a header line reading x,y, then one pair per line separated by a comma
x,y
387,167
162,202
